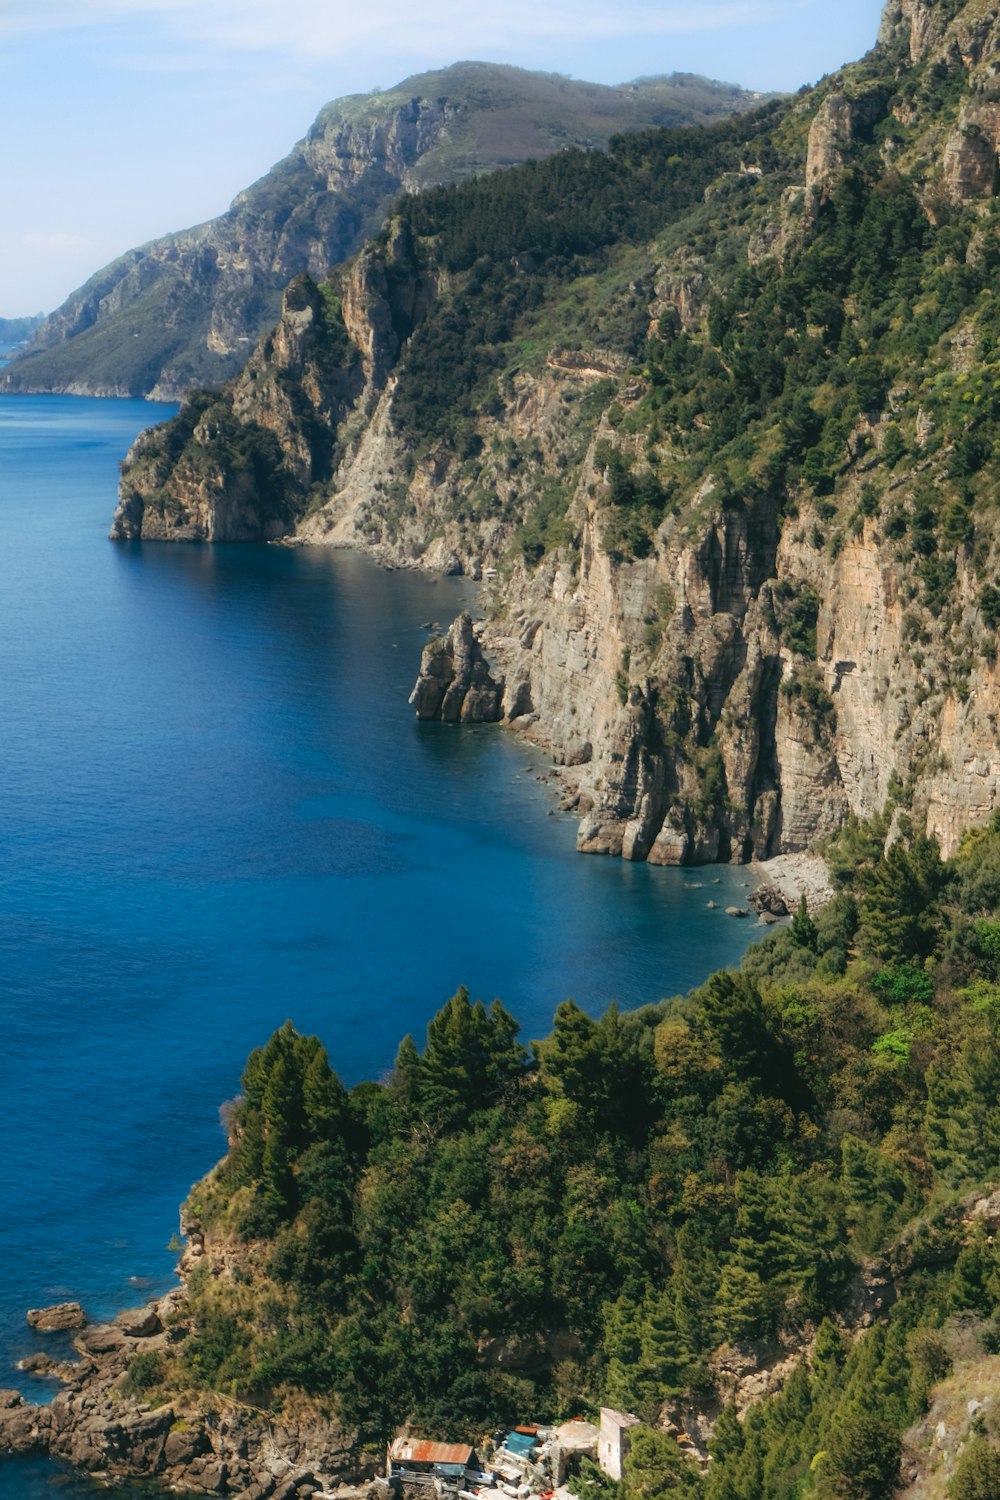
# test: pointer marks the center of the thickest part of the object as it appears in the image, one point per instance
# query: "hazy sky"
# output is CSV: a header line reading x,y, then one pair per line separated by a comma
x,y
122,119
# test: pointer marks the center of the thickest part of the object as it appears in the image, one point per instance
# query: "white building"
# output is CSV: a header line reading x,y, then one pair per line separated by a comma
x,y
614,1440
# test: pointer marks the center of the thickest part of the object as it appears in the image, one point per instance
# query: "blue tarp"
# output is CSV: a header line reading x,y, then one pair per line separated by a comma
x,y
520,1443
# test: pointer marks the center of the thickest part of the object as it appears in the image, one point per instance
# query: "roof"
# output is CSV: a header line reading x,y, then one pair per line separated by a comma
x,y
417,1451
577,1434
618,1418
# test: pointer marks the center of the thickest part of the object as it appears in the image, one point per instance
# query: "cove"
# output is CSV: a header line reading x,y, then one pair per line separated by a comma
x,y
217,812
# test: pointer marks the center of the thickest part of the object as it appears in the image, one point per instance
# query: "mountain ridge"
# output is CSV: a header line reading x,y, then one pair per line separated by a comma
x,y
719,430
185,310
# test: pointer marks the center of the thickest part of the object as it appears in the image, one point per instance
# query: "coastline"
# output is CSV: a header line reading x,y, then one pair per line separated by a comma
x,y
795,876
190,1444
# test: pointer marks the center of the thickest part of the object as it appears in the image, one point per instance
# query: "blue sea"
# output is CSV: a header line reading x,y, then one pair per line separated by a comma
x,y
216,812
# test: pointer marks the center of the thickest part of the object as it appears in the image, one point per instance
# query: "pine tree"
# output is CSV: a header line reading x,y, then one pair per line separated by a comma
x,y
974,1282
695,1283
977,1473
804,931
281,1108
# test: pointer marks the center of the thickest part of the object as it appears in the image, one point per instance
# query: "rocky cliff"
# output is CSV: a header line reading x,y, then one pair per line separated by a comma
x,y
186,310
119,1413
727,474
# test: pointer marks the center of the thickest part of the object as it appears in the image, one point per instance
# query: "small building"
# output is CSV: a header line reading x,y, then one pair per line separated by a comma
x,y
614,1441
572,1441
440,1460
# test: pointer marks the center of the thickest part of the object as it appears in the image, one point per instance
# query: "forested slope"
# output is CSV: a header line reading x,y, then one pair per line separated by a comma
x,y
186,310
719,408
643,1209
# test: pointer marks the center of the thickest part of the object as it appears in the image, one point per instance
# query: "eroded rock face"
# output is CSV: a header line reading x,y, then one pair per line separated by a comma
x,y
208,1447
455,684
910,21
970,157
841,121
62,1316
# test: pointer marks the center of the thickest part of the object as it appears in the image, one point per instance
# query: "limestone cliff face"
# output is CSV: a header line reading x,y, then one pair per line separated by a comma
x,y
842,122
692,718
186,310
707,750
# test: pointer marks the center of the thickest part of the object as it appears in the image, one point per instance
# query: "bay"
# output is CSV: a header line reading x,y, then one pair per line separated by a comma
x,y
217,812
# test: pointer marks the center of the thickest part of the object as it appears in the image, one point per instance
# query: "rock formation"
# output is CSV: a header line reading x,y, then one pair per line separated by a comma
x,y
186,310
455,684
55,1319
102,1424
660,667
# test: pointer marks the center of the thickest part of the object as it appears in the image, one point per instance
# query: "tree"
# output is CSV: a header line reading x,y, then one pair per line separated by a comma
x,y
281,1108
977,1473
901,911
862,1458
470,1058
655,1467
804,932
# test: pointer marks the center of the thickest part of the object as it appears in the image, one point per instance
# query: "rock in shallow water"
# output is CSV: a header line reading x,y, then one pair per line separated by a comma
x,y
455,684
58,1317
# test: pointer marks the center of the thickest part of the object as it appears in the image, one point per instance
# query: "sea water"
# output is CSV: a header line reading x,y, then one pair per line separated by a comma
x,y
217,812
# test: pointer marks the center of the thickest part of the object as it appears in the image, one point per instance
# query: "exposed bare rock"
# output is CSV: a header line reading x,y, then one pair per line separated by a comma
x,y
970,155
840,123
139,1322
455,683
914,22
61,1316
746,1373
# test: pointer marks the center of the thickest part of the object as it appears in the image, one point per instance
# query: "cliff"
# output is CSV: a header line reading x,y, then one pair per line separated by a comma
x,y
103,1424
186,310
714,418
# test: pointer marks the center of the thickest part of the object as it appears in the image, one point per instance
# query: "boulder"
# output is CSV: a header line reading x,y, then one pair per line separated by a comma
x,y
139,1322
105,1338
184,1444
57,1318
765,899
38,1364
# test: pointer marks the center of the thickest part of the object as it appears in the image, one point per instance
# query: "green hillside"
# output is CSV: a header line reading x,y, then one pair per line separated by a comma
x,y
774,1163
186,310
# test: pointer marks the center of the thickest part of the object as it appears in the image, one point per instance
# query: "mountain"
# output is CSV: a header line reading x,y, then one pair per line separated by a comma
x,y
186,310
14,330
716,413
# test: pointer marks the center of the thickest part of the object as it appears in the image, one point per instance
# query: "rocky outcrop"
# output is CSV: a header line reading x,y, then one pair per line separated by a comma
x,y
970,157
62,1316
455,684
102,1424
842,122
186,311
247,456
909,23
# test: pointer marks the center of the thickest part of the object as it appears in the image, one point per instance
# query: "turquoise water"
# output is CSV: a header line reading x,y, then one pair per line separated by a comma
x,y
216,812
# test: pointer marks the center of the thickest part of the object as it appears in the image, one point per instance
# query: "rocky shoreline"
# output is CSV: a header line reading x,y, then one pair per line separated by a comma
x,y
101,1425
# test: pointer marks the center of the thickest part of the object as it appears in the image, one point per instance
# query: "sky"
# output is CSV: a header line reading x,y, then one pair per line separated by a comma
x,y
124,119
